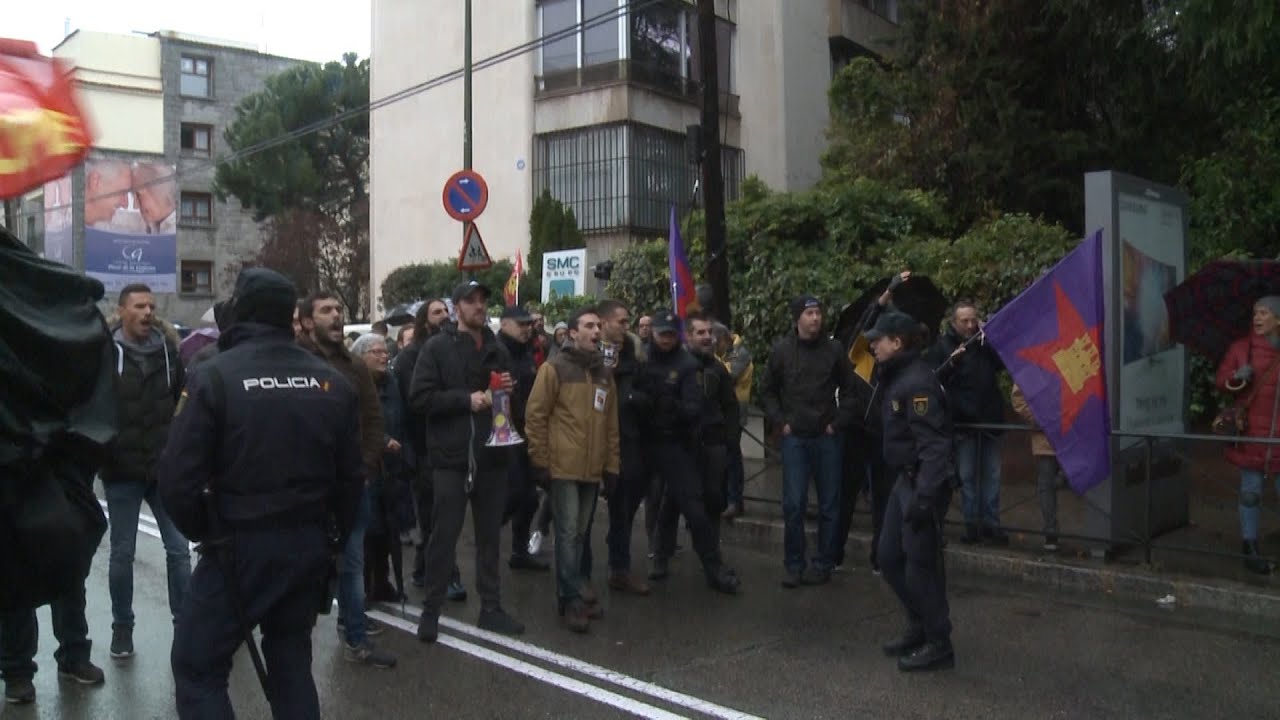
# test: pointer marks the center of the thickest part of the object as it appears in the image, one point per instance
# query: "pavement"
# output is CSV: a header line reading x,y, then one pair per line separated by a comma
x,y
684,651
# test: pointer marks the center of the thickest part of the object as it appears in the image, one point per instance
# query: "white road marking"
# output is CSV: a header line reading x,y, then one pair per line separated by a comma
x,y
563,682
591,692
597,672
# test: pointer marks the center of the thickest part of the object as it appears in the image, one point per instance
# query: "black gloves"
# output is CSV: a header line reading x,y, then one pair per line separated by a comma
x,y
610,485
540,476
921,510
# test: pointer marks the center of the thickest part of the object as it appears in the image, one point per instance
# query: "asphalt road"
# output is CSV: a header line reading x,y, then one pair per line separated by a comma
x,y
688,652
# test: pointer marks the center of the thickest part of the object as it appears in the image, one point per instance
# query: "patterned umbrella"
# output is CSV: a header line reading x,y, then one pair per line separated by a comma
x,y
1214,307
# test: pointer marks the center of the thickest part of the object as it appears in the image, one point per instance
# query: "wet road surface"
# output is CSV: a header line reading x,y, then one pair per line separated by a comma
x,y
685,651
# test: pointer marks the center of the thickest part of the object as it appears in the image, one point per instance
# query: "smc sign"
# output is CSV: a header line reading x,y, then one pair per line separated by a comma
x,y
562,273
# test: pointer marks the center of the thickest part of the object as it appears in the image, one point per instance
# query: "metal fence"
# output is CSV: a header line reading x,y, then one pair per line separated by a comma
x,y
1152,448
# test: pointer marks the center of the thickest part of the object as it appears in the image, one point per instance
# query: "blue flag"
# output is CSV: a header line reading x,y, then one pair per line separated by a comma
x,y
1051,340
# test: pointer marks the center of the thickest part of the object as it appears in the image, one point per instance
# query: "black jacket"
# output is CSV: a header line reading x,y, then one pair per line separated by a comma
x,y
624,375
800,385
971,380
450,367
415,425
667,396
280,446
720,409
917,426
523,371
149,379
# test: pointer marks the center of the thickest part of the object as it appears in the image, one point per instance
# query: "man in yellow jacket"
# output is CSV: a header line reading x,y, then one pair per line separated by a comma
x,y
571,425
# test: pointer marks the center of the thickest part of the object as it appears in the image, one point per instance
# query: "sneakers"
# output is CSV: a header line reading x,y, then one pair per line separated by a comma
x,y
535,542
659,569
522,561
368,654
371,628
457,592
19,691
428,627
734,510
1051,543
122,642
500,622
576,616
815,576
791,580
83,672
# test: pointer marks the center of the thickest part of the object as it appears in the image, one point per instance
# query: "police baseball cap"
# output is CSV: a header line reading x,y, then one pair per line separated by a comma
x,y
517,313
666,322
467,288
893,323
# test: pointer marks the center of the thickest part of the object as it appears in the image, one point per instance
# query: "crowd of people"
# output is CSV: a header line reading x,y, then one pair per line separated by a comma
x,y
304,461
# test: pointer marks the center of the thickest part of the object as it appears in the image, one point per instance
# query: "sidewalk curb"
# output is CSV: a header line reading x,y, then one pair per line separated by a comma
x,y
1222,596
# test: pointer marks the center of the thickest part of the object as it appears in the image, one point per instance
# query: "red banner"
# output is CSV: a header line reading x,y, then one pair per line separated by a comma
x,y
43,132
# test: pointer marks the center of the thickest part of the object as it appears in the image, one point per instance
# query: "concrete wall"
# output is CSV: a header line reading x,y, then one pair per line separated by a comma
x,y
417,143
233,237
120,87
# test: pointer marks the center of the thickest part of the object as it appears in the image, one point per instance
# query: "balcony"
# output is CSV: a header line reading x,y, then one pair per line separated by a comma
x,y
869,24
658,80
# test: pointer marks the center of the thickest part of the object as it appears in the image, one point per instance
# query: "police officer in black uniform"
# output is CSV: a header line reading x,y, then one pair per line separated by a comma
x,y
720,412
918,453
263,467
666,388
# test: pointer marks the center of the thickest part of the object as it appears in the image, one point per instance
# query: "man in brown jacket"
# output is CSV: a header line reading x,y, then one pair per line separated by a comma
x,y
571,426
320,316
1046,471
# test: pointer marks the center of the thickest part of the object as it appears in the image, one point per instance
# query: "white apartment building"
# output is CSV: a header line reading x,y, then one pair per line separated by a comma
x,y
600,118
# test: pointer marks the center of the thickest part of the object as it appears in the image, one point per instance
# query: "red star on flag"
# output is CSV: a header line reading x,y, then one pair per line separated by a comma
x,y
1072,357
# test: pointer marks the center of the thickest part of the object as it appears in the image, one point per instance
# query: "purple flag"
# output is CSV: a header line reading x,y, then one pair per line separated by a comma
x,y
1051,340
683,294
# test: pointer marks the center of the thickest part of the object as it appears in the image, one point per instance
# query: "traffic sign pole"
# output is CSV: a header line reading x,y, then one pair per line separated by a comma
x,y
466,88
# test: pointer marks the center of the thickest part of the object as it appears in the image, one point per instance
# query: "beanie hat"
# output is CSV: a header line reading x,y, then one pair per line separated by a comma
x,y
802,303
263,296
1270,302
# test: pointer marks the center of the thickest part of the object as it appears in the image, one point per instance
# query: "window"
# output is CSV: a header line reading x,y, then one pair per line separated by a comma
x,y
195,139
625,175
197,208
197,277
597,44
195,77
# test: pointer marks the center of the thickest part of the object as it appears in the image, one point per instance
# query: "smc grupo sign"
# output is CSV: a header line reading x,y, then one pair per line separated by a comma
x,y
563,273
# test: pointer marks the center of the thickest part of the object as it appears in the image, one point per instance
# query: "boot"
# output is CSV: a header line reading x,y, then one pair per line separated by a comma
x,y
575,616
1253,559
624,582
724,580
909,642
933,655
659,569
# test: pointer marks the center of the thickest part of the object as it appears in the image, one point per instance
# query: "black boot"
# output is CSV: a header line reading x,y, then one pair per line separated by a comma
x,y
930,656
908,643
1253,559
724,580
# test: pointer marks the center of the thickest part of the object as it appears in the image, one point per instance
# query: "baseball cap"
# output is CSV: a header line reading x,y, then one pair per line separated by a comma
x,y
517,313
666,322
892,323
466,288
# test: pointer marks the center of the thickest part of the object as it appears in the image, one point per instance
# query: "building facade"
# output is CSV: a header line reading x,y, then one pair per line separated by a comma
x,y
158,104
598,115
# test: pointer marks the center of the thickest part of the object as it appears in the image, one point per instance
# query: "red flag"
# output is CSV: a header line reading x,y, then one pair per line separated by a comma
x,y
43,132
684,297
511,291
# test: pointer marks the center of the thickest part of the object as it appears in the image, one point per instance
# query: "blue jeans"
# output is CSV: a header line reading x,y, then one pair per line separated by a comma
x,y
979,471
124,504
1250,500
351,576
802,457
572,504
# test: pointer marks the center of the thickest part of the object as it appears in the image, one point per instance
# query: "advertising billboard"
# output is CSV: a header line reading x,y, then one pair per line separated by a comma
x,y
59,242
563,273
130,224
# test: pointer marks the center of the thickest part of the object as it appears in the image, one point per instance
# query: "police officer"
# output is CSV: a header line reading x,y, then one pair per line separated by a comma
x,y
666,387
918,453
719,414
263,466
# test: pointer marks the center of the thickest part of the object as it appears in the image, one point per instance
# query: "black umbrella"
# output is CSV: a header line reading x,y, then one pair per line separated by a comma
x,y
1214,307
403,314
917,297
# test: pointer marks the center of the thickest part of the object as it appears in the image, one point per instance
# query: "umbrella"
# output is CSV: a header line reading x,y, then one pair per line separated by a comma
x,y
1214,307
193,343
208,316
402,314
917,297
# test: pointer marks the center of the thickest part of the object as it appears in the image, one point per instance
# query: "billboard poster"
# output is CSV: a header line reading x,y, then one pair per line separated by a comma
x,y
58,238
130,224
1152,261
563,273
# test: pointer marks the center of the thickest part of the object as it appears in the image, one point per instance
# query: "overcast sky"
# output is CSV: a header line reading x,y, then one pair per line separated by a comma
x,y
303,29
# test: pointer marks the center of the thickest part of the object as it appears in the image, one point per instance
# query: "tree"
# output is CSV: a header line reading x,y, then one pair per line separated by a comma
x,y
552,226
312,187
420,281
